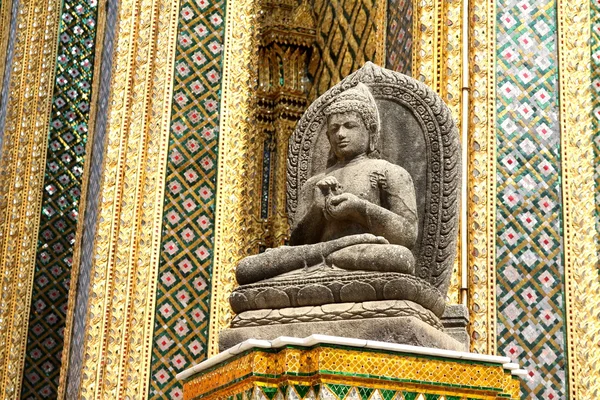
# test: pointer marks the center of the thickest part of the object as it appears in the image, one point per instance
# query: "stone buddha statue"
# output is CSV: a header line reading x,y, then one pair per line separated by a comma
x,y
359,214
373,183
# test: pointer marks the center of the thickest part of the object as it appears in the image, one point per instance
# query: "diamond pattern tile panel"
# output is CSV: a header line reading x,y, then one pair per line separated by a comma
x,y
399,37
68,135
529,244
183,293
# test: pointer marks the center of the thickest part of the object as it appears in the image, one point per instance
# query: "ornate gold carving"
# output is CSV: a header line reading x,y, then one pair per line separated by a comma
x,y
451,92
121,310
22,171
236,224
582,285
437,61
426,48
5,15
354,368
286,37
481,167
348,34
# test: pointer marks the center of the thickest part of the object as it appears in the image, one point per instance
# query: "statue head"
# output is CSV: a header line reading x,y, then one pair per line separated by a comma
x,y
353,123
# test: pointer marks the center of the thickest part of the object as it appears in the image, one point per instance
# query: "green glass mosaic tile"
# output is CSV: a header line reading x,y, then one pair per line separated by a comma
x,y
302,390
409,395
529,259
339,390
270,392
387,394
184,277
365,393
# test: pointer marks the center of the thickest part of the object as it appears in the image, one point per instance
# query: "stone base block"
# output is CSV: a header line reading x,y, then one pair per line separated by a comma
x,y
402,330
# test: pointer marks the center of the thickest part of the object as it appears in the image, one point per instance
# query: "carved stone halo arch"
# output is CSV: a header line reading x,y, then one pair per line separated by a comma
x,y
417,133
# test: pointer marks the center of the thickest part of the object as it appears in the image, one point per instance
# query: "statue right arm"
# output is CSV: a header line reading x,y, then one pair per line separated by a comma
x,y
309,218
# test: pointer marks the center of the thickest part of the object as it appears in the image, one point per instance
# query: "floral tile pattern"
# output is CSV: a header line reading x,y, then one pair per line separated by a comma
x,y
529,244
68,135
399,36
183,292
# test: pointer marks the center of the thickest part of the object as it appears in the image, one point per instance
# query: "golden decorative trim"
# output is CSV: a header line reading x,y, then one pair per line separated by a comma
x,y
354,367
425,42
380,31
5,16
65,359
481,170
414,49
450,84
119,329
22,171
437,61
582,286
238,187
286,33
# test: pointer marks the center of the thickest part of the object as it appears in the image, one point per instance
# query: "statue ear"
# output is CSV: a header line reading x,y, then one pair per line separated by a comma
x,y
372,142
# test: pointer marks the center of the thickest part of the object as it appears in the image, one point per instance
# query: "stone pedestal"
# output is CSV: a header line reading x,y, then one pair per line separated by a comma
x,y
325,367
394,321
406,330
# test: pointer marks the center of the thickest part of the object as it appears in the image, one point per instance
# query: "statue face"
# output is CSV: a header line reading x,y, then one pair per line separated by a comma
x,y
348,135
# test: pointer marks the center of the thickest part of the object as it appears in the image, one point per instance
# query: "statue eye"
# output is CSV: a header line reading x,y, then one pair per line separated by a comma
x,y
333,129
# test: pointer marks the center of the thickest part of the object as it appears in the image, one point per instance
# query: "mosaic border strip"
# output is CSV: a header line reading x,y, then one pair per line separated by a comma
x,y
65,182
127,250
184,284
582,292
23,160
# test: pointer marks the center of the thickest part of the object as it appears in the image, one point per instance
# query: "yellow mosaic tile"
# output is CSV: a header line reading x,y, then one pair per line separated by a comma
x,y
357,368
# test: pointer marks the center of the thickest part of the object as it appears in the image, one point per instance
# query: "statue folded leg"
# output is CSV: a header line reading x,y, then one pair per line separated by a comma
x,y
284,259
369,257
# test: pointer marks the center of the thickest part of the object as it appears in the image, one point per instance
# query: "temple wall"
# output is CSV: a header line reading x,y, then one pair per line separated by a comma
x,y
143,155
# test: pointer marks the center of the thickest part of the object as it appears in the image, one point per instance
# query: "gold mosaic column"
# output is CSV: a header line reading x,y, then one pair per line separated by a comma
x,y
126,254
481,175
22,172
438,62
238,187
